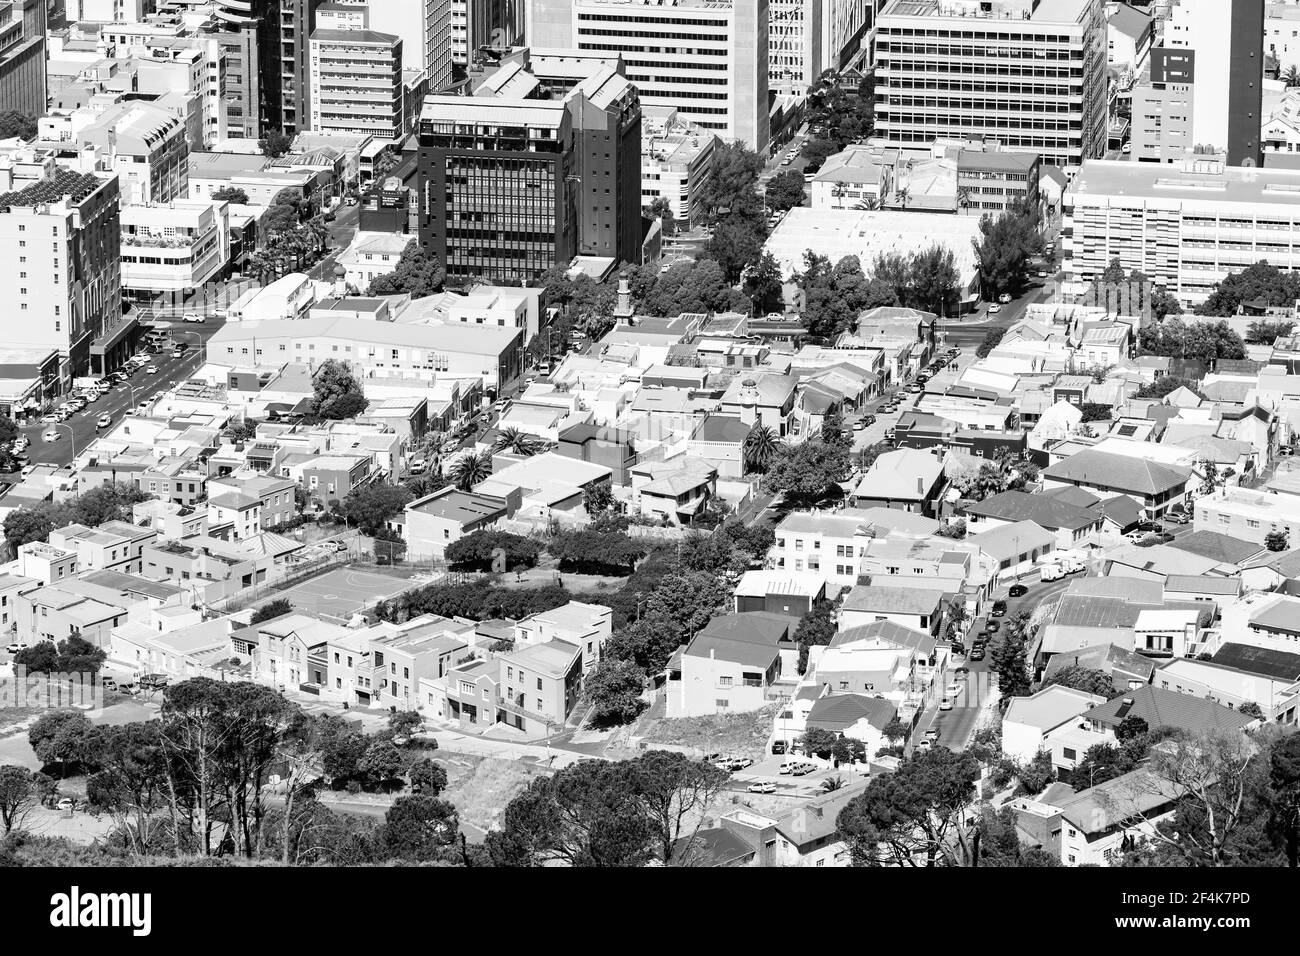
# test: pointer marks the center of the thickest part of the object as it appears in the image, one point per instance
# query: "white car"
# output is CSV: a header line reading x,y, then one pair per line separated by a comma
x,y
1128,147
151,370
994,308
766,787
193,317
104,421
789,766
946,704
1004,298
50,434
16,646
92,396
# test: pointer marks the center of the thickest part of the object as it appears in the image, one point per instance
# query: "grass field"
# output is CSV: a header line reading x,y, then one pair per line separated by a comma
x,y
480,787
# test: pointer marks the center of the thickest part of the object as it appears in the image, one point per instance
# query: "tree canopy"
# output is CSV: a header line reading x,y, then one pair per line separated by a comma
x,y
416,274
337,394
1261,282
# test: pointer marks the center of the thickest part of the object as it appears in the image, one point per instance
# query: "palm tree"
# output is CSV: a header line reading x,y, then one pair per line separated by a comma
x,y
760,448
517,442
469,470
1292,76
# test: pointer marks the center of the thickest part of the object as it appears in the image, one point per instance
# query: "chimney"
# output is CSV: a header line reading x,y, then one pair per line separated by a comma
x,y
623,309
920,485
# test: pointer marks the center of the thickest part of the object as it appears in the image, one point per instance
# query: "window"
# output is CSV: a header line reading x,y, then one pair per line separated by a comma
x,y
539,683
725,681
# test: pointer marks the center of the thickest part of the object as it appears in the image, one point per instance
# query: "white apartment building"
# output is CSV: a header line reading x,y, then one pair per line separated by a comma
x,y
807,37
356,83
1282,33
1185,226
174,248
707,58
59,240
1028,73
1204,83
1248,515
676,162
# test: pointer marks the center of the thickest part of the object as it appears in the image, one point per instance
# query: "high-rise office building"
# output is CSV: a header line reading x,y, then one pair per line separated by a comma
x,y
514,180
807,37
496,197
1030,74
706,58
356,83
1204,85
22,56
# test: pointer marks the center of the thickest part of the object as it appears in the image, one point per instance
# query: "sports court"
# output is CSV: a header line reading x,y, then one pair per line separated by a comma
x,y
343,590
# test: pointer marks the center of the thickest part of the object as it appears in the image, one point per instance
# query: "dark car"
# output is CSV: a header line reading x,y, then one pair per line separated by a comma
x,y
869,419
778,746
999,608
1154,527
958,647
977,653
991,627
1017,590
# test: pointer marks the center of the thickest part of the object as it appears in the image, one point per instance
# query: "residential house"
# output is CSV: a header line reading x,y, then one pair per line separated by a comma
x,y
906,479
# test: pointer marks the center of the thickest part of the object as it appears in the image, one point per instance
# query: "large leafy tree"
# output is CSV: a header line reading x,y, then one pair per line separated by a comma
x,y
371,506
62,737
933,279
1086,679
920,815
491,550
20,792
1206,341
1006,244
416,274
816,628
1259,282
808,471
17,123
420,828
337,394
764,284
614,689
785,190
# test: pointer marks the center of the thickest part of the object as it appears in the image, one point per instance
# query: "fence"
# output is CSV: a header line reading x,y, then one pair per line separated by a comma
x,y
299,572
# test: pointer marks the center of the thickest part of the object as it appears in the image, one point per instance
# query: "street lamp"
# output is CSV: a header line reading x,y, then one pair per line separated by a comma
x,y
71,435
197,338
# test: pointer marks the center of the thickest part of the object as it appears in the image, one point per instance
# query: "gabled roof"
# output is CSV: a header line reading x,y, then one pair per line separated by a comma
x,y
1219,547
892,600
1050,707
897,634
838,712
1281,665
715,846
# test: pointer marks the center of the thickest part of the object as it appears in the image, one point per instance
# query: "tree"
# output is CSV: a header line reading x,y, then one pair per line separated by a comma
x,y
72,655
1204,341
933,279
1095,412
760,448
427,778
598,499
596,552
381,764
370,507
275,144
1163,304
675,793
736,244
420,828
896,731
517,442
584,815
1086,679
469,469
17,123
660,208
231,194
920,815
647,642
23,525
1266,333
1284,790
764,284
834,432
807,471
270,611
817,741
1130,728
614,688
1276,540
1210,773
1114,272
20,792
955,528
785,190
415,275
1163,386
130,782
61,737
992,339
1011,666
490,550
1252,709
816,628
1260,282
336,392
1003,252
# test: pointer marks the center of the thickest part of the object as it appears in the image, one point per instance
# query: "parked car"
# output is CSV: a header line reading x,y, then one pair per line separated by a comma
x,y
860,425
932,735
924,745
104,421
1017,590
788,767
764,787
976,654
1004,298
999,608
1176,518
778,746
991,627
994,308
803,770
151,370
418,465
16,646
869,419
958,648
946,704
193,317
50,434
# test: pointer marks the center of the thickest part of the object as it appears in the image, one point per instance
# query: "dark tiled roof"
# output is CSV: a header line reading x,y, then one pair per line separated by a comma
x,y
1219,547
1281,665
838,712
1167,708
1046,512
716,846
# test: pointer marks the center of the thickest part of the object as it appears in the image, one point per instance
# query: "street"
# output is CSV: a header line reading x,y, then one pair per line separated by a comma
x,y
129,395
